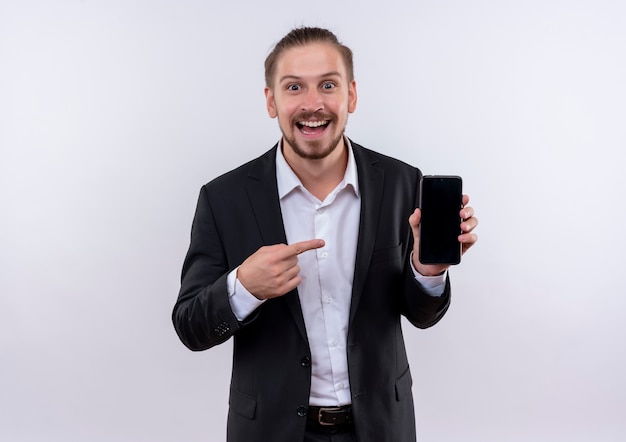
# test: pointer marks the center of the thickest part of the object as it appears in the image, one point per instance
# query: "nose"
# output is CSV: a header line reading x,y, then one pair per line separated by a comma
x,y
312,101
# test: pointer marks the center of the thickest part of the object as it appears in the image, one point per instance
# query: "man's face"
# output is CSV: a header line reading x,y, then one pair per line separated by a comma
x,y
311,96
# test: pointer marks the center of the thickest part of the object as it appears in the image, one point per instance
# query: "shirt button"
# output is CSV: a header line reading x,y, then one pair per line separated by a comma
x,y
324,254
301,410
328,300
340,386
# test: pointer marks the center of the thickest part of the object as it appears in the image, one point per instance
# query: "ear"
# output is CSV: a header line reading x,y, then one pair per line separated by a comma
x,y
352,96
270,103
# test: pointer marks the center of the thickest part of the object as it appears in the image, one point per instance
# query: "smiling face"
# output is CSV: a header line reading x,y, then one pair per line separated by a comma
x,y
311,96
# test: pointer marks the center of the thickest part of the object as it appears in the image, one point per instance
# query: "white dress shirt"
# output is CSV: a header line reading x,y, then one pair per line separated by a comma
x,y
327,274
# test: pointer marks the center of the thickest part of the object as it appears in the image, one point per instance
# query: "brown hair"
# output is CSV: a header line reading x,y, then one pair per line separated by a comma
x,y
301,37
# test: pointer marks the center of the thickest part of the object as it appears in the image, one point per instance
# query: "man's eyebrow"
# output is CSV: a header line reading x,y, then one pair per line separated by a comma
x,y
295,77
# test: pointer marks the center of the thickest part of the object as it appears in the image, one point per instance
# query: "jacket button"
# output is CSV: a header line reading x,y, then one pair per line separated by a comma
x,y
222,329
305,361
301,411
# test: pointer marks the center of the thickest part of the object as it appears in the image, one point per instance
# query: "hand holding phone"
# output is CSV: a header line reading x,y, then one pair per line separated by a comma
x,y
441,200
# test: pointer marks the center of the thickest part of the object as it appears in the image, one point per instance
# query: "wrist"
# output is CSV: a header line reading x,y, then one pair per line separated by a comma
x,y
429,270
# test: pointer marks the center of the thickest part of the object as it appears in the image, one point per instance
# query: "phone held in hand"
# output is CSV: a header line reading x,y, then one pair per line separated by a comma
x,y
441,199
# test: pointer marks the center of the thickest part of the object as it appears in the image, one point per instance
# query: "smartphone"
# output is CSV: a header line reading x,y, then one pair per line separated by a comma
x,y
441,199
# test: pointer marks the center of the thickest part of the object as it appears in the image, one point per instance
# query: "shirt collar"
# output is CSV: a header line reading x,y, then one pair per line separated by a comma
x,y
287,180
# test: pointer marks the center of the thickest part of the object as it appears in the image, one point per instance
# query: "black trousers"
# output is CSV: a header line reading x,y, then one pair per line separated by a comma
x,y
316,433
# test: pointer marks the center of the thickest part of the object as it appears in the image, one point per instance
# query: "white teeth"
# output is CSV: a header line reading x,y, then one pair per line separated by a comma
x,y
313,123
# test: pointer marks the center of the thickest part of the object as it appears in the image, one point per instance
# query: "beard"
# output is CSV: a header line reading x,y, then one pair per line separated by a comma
x,y
314,150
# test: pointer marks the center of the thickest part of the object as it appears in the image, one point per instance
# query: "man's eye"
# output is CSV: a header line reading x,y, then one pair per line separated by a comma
x,y
328,85
293,87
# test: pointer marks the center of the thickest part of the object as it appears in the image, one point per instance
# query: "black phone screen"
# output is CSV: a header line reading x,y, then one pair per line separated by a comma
x,y
440,203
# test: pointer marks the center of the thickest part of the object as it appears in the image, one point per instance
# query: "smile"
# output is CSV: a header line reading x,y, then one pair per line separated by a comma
x,y
312,127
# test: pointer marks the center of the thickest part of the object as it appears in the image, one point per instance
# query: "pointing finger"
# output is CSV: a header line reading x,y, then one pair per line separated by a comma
x,y
303,246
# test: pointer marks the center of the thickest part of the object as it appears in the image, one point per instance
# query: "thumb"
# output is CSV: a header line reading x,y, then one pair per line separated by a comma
x,y
414,222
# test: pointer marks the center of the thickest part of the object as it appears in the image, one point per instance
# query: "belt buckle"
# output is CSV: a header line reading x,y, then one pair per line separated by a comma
x,y
323,410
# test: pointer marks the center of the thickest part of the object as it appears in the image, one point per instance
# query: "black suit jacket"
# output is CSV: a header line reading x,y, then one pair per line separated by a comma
x,y
239,212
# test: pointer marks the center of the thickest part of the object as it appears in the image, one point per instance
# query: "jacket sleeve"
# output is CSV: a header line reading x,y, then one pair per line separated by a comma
x,y
421,309
202,315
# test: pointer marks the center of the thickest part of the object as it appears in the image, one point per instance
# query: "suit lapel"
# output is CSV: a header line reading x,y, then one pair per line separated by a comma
x,y
371,179
263,193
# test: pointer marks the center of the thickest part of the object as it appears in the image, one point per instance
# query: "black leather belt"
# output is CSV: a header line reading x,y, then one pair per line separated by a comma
x,y
330,416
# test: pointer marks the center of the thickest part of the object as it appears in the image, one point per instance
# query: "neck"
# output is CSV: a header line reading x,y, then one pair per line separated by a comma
x,y
322,175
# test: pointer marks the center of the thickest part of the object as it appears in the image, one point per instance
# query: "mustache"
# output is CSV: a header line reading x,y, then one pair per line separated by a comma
x,y
317,115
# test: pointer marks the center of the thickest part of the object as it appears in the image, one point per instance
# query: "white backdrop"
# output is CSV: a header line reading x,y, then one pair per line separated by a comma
x,y
114,113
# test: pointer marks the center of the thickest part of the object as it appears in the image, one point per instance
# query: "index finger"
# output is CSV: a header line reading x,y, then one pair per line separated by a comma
x,y
303,246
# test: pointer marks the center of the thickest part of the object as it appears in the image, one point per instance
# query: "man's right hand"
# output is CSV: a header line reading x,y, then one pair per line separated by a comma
x,y
273,271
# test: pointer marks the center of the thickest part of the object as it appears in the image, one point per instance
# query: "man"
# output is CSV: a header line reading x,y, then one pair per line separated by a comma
x,y
308,256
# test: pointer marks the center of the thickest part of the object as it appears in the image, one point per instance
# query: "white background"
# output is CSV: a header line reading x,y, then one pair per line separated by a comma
x,y
114,113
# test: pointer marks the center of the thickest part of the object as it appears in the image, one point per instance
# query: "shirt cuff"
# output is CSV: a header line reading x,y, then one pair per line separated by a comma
x,y
433,285
241,300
